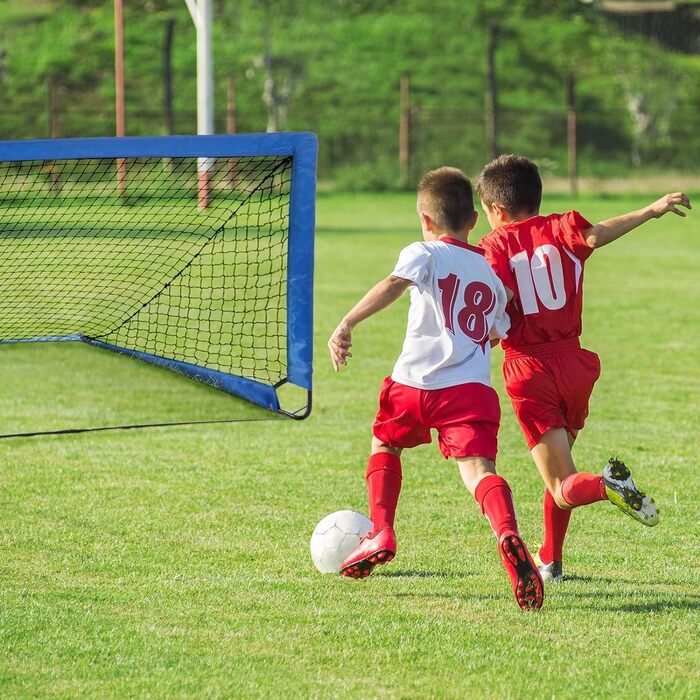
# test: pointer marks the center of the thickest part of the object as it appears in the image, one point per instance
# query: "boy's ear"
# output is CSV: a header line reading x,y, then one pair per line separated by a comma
x,y
473,218
426,220
500,210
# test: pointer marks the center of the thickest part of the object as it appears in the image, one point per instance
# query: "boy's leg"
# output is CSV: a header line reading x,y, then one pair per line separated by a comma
x,y
493,494
565,489
556,524
547,395
398,425
383,486
383,478
570,489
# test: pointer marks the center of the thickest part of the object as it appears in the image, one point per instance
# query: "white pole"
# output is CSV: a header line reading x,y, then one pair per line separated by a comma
x,y
201,13
205,71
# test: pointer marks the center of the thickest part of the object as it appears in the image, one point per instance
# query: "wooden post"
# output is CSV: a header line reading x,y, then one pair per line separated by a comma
x,y
54,109
231,105
405,130
231,124
168,76
119,89
571,132
491,107
53,87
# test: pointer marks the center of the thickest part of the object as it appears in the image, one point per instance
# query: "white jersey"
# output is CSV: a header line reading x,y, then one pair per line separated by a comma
x,y
457,306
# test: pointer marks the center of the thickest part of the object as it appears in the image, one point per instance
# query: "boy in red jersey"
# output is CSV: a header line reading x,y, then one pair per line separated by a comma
x,y
547,374
441,379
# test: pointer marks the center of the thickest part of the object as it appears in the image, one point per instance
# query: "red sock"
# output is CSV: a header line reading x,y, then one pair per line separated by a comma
x,y
384,486
494,496
556,522
583,488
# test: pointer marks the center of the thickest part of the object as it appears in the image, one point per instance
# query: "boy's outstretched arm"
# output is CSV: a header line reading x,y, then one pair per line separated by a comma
x,y
379,297
610,230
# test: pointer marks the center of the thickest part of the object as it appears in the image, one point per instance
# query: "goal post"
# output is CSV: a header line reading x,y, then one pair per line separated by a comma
x,y
222,295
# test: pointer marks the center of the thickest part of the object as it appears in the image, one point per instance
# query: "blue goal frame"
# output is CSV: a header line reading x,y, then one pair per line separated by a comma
x,y
303,148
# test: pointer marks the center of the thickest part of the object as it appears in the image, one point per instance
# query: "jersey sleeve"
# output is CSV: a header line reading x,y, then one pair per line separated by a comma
x,y
497,258
414,265
501,321
570,233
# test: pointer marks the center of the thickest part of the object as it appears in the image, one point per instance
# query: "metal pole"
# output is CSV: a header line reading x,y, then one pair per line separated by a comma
x,y
205,71
201,13
119,89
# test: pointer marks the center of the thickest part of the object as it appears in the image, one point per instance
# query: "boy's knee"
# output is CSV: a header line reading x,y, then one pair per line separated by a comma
x,y
559,499
379,446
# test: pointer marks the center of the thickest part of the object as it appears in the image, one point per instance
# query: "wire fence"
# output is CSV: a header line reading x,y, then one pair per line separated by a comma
x,y
365,153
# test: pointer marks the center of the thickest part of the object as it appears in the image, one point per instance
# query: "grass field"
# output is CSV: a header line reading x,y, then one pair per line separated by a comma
x,y
174,562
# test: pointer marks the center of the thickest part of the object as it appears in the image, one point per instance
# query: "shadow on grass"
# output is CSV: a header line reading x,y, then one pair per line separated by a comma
x,y
603,604
574,578
648,597
685,603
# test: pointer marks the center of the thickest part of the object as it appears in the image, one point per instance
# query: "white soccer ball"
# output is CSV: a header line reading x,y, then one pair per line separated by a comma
x,y
335,537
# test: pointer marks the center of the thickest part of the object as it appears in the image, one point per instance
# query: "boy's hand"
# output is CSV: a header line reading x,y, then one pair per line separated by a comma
x,y
670,203
610,230
379,297
339,345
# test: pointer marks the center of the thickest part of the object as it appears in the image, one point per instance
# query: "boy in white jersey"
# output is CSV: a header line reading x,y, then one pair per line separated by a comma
x,y
441,379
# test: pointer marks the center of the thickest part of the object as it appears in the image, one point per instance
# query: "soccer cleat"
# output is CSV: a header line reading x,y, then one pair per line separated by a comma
x,y
379,548
551,572
623,493
525,579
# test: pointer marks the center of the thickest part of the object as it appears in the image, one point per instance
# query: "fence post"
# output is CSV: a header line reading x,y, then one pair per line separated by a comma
x,y
53,87
168,76
405,130
231,124
491,111
571,132
119,89
54,108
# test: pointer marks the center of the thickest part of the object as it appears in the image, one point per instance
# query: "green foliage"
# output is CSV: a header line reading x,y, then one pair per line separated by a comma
x,y
334,67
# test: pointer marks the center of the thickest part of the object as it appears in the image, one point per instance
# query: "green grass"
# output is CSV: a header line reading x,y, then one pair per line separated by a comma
x,y
113,272
174,562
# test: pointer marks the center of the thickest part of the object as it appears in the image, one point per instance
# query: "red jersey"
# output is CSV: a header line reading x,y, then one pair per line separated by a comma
x,y
541,260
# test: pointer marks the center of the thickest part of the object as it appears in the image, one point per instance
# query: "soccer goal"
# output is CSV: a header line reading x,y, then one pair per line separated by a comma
x,y
108,242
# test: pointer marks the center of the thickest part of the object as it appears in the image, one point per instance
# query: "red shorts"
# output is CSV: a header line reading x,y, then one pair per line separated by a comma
x,y
550,390
466,418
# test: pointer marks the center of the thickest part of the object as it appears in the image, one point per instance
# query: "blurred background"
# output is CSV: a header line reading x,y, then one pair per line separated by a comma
x,y
603,94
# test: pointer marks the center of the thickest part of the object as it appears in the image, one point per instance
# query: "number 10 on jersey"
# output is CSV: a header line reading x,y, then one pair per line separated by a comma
x,y
540,279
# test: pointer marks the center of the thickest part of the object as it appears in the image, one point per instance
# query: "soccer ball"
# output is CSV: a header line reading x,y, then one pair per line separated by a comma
x,y
335,537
